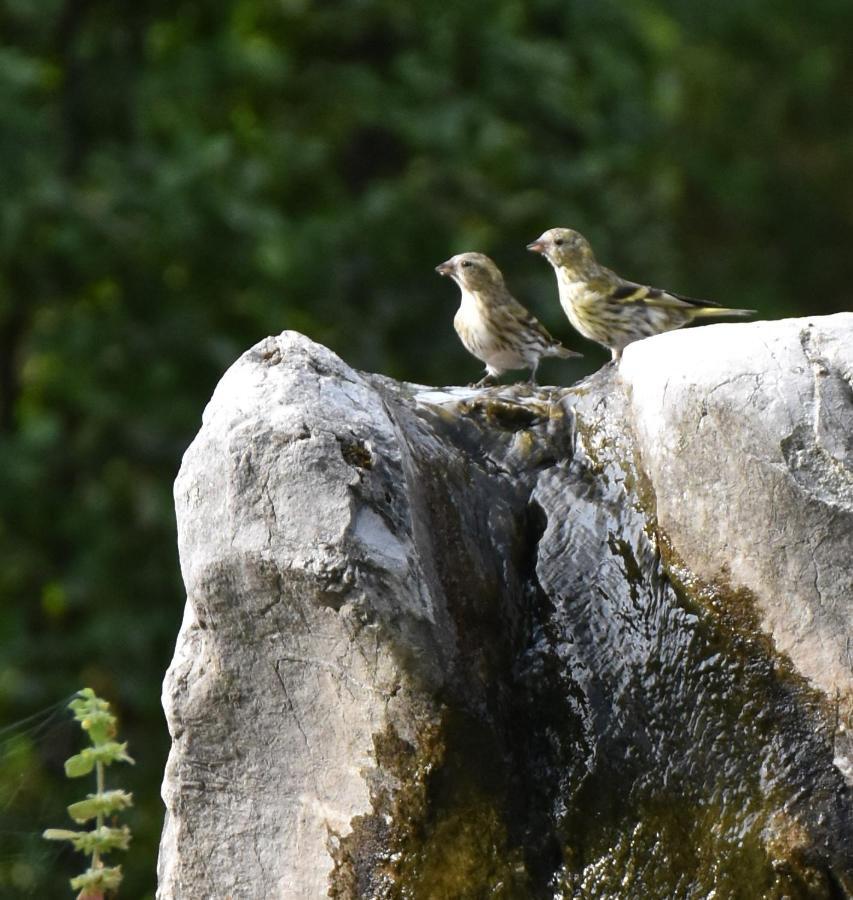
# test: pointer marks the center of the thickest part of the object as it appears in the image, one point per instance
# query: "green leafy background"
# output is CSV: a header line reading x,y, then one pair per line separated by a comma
x,y
179,179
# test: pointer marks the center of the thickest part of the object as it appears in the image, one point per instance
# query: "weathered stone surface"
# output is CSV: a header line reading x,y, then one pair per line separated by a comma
x,y
747,437
475,643
281,676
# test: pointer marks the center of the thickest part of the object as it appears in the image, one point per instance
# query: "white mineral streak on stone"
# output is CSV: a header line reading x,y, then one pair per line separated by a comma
x,y
448,395
746,432
372,531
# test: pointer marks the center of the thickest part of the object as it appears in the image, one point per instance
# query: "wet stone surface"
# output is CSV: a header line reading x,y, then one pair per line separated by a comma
x,y
615,727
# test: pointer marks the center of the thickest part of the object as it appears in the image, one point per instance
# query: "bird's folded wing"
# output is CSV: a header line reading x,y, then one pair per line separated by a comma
x,y
527,320
628,292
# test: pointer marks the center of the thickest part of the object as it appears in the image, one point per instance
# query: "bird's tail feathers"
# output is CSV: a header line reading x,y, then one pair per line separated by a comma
x,y
562,352
708,311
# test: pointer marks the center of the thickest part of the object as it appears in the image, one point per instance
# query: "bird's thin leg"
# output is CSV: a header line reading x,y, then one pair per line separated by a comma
x,y
533,368
485,381
615,354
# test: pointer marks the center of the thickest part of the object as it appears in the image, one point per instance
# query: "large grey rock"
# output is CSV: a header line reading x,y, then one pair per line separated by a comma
x,y
518,643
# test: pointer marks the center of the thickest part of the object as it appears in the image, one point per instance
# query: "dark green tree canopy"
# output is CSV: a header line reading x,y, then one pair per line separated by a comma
x,y
181,179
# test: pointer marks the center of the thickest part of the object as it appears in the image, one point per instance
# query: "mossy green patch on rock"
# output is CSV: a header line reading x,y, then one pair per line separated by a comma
x,y
366,859
463,844
678,850
356,453
439,822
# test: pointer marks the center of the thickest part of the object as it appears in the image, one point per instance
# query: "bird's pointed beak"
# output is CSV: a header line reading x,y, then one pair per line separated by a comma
x,y
444,268
537,246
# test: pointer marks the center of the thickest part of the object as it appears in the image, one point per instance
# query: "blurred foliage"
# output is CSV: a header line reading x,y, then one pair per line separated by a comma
x,y
180,179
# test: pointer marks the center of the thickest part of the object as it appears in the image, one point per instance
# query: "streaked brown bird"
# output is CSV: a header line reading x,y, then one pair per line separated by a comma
x,y
608,309
492,324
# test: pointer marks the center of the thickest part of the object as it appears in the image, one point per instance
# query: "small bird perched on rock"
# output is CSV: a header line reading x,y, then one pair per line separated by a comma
x,y
608,309
492,324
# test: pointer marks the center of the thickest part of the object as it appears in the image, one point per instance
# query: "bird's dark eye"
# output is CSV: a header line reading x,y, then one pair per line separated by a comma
x,y
467,264
559,242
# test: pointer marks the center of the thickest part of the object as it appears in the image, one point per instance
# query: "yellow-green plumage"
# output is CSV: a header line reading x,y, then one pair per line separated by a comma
x,y
492,324
608,309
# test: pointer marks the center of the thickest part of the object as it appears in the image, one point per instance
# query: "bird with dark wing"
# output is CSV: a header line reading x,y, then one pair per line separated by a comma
x,y
608,309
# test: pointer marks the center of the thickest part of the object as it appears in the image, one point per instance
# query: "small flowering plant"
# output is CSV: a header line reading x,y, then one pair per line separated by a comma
x,y
95,718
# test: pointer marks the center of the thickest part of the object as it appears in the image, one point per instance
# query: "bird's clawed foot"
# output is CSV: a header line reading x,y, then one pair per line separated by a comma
x,y
486,381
